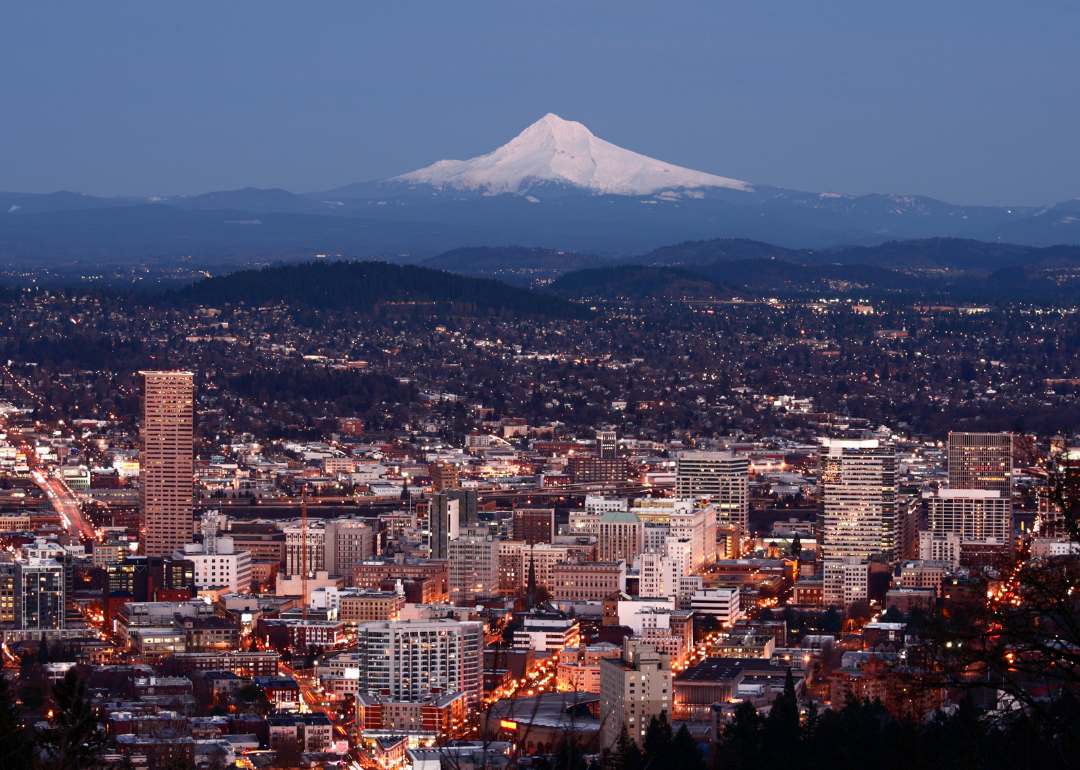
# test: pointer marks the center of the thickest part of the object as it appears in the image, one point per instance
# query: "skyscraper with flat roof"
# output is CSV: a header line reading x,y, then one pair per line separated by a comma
x,y
981,461
724,477
858,502
166,461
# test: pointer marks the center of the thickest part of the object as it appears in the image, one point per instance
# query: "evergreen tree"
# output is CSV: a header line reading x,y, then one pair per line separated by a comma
x,y
658,742
14,743
741,748
685,753
71,741
780,738
625,755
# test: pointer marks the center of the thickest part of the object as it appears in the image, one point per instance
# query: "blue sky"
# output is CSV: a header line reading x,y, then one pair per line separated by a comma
x,y
974,103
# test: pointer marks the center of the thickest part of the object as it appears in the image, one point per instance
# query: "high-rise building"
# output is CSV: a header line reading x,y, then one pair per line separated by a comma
x,y
534,525
981,461
39,594
622,537
448,512
347,541
474,566
166,461
409,660
607,444
722,476
444,475
973,514
634,688
297,540
858,505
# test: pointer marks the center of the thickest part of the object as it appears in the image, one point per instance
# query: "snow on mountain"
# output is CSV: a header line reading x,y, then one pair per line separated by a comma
x,y
557,151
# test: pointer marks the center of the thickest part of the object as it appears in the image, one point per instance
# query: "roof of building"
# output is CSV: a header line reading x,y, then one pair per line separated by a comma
x,y
620,517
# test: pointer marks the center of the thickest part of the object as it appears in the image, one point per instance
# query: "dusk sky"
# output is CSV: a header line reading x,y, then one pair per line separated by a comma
x,y
973,103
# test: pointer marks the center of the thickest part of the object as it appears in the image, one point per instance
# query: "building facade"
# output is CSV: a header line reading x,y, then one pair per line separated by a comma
x,y
166,461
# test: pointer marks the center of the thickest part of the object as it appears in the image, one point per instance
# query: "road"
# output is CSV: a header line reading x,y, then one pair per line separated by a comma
x,y
66,504
311,696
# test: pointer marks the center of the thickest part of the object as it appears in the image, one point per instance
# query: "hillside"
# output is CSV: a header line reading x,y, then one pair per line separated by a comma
x,y
637,283
516,265
361,286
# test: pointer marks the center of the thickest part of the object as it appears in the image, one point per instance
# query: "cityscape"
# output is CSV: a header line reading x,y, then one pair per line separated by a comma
x,y
560,457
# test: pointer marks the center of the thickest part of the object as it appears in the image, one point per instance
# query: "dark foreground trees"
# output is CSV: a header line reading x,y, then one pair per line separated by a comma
x,y
862,735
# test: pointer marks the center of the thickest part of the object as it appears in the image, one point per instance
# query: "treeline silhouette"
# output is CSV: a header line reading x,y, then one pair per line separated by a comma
x,y
350,390
361,286
77,351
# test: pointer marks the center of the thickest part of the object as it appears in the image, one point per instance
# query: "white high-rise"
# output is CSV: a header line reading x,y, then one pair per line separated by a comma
x,y
858,505
409,660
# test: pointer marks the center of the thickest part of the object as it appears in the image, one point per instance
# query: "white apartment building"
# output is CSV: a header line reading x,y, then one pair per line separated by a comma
x,y
217,563
660,572
973,514
408,660
846,580
724,604
547,632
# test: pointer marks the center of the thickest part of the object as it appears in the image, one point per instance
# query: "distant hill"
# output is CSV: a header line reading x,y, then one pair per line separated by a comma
x,y
692,252
360,286
636,283
926,254
516,265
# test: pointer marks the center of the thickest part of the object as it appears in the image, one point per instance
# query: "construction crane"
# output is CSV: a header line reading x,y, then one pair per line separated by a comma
x,y
303,553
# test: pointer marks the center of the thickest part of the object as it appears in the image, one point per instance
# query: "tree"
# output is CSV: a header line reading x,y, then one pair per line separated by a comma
x,y
657,743
780,732
741,749
71,741
796,546
31,696
685,753
625,755
14,740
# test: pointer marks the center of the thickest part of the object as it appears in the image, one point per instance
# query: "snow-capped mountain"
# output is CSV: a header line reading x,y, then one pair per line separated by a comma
x,y
553,151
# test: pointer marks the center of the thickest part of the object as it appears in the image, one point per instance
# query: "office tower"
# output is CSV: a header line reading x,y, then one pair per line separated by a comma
x,y
858,504
607,444
981,461
724,477
534,525
166,464
409,660
448,512
474,566
444,476
634,688
596,470
622,537
347,541
297,540
39,594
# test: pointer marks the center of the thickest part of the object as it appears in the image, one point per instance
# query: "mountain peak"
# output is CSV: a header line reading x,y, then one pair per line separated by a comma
x,y
557,151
